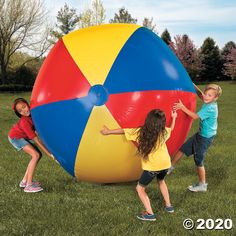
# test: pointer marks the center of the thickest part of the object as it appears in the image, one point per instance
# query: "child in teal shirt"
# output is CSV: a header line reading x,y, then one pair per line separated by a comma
x,y
199,143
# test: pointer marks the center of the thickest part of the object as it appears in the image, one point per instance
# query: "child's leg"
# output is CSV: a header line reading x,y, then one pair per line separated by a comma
x,y
202,185
178,155
164,192
35,157
201,148
186,148
25,176
143,182
201,174
144,198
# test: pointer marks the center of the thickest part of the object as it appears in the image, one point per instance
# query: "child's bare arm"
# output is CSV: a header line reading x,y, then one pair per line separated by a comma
x,y
107,131
199,91
181,106
174,115
41,145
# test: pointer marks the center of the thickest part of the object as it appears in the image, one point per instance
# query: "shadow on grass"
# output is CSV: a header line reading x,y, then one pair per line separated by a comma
x,y
67,184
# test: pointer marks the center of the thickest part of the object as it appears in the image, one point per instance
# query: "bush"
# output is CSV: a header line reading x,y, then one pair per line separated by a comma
x,y
23,75
15,88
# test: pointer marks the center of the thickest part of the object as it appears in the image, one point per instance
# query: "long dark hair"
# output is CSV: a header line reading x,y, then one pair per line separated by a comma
x,y
152,133
16,101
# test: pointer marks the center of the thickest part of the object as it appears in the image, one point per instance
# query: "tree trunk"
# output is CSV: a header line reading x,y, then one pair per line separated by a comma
x,y
3,74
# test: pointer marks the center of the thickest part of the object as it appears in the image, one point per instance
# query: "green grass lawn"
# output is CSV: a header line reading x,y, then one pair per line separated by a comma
x,y
67,207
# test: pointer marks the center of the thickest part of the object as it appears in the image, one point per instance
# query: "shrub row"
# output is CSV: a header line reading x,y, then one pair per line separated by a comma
x,y
15,88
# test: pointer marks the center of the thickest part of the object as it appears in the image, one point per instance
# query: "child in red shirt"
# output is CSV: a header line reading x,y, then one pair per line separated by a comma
x,y
23,136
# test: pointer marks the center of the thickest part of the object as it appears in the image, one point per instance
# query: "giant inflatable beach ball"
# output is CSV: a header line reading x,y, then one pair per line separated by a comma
x,y
107,75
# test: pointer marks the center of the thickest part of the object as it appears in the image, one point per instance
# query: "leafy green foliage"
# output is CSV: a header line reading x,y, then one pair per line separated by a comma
x,y
67,19
15,88
211,60
94,15
23,75
123,16
148,23
227,48
22,27
225,52
230,64
166,36
186,51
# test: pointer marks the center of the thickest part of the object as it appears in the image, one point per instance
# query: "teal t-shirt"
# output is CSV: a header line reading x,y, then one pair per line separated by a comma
x,y
208,119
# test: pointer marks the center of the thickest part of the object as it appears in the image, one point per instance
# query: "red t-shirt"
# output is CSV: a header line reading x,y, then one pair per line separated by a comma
x,y
24,128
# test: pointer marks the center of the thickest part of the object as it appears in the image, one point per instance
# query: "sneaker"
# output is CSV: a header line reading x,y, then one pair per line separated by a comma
x,y
146,216
170,170
198,187
35,183
169,209
32,189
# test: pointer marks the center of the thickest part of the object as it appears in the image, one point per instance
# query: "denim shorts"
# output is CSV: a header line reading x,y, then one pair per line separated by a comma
x,y
18,144
147,176
197,146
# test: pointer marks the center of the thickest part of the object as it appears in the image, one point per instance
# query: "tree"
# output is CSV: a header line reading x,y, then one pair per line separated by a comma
x,y
94,16
22,75
16,62
227,48
224,54
21,29
98,16
166,37
123,16
230,64
188,54
148,23
211,60
67,19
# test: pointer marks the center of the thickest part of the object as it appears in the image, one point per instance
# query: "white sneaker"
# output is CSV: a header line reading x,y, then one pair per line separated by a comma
x,y
170,170
198,187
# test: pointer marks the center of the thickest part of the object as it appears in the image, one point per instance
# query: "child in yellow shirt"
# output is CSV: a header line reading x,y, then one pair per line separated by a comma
x,y
151,139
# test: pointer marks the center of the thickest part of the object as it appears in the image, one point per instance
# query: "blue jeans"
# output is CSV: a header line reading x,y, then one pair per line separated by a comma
x,y
197,146
18,144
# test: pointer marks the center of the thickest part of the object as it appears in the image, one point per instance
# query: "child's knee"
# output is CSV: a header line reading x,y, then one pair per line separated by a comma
x,y
37,155
199,162
140,188
179,153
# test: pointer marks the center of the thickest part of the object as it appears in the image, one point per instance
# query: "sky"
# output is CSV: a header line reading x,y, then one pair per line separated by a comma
x,y
198,19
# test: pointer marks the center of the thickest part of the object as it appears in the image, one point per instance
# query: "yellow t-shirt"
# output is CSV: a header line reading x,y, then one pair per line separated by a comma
x,y
158,159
